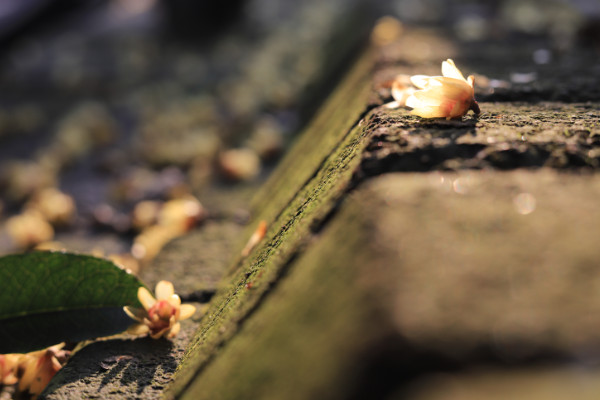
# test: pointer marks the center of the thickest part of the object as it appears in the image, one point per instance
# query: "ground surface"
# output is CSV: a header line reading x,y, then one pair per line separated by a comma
x,y
403,258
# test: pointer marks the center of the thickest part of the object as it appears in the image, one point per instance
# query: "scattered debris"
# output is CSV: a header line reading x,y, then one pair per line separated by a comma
x,y
239,164
55,206
29,229
256,237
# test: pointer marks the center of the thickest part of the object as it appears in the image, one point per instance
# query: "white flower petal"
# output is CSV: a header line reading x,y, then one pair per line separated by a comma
x,y
453,83
449,70
436,81
430,97
174,301
186,311
413,102
420,81
429,112
164,290
401,92
452,89
146,298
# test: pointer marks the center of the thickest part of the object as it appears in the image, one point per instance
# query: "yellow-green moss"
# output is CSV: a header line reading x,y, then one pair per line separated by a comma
x,y
301,343
308,183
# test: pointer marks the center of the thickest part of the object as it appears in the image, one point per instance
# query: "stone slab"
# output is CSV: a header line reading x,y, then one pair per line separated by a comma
x,y
421,274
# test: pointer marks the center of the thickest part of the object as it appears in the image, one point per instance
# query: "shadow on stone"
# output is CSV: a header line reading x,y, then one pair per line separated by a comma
x,y
117,367
391,150
388,366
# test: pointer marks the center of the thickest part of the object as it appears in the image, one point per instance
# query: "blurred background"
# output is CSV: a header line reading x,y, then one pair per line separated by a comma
x,y
106,104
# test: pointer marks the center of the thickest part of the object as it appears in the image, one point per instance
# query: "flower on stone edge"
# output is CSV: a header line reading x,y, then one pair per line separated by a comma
x,y
39,367
447,96
9,365
161,315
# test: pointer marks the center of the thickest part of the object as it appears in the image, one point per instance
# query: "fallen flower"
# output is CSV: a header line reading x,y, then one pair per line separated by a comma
x,y
56,207
9,364
28,229
160,315
402,89
163,223
448,96
150,242
39,367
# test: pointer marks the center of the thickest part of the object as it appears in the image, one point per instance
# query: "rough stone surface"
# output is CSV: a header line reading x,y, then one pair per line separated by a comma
x,y
505,136
445,272
201,269
363,287
303,199
512,242
120,368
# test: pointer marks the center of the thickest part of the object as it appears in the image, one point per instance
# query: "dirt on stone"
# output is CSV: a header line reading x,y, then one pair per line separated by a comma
x,y
504,136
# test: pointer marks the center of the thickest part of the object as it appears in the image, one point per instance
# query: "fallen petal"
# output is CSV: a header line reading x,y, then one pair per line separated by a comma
x,y
420,81
449,70
256,237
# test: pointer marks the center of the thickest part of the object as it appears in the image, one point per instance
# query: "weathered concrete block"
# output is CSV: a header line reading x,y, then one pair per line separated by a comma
x,y
425,273
360,289
308,185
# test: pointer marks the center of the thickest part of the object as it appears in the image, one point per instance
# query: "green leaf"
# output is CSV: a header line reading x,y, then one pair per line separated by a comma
x,y
51,297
